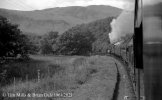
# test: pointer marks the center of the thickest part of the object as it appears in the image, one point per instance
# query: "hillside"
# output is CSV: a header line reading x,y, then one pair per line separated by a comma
x,y
57,19
92,37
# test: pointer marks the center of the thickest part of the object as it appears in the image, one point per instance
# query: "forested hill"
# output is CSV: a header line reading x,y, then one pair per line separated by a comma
x,y
57,19
98,28
93,36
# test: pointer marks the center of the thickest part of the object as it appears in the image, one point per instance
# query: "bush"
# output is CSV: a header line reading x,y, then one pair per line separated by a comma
x,y
12,41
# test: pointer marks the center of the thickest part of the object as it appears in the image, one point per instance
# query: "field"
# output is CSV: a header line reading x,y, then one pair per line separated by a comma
x,y
83,78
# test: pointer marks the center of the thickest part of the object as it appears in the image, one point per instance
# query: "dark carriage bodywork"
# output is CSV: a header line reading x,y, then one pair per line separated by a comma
x,y
125,53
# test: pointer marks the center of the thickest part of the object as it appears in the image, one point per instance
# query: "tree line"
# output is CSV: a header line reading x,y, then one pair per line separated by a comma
x,y
84,39
81,39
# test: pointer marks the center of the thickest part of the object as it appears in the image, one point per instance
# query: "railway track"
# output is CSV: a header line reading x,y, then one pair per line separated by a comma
x,y
124,89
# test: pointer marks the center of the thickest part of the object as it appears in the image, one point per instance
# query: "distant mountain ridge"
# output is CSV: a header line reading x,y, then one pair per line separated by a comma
x,y
58,19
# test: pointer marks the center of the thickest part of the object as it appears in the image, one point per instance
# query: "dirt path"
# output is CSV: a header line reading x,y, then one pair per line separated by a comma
x,y
124,87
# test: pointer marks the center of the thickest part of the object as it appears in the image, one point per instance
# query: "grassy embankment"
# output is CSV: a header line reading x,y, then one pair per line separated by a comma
x,y
86,77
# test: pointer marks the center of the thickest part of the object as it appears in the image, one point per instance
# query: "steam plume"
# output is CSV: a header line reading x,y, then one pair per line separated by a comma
x,y
121,26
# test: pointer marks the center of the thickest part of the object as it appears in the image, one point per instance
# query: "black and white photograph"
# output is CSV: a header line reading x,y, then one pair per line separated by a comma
x,y
80,49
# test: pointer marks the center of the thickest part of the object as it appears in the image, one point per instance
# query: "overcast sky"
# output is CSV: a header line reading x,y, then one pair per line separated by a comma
x,y
43,4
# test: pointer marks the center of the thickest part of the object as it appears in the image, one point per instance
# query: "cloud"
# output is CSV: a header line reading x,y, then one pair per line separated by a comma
x,y
15,5
63,3
43,4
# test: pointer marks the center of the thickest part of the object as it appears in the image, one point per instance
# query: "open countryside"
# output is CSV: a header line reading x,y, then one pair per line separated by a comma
x,y
64,50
